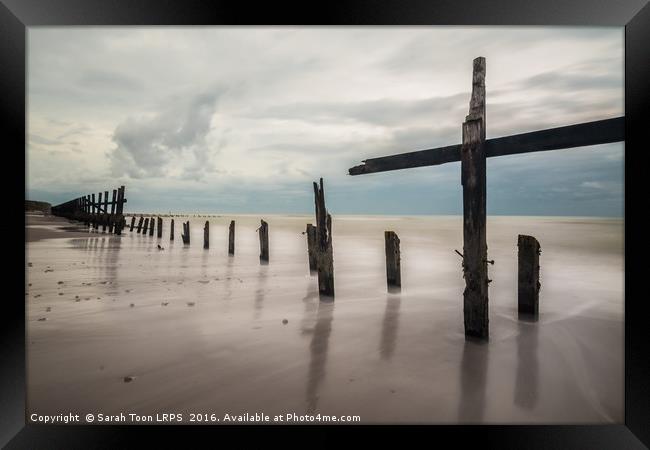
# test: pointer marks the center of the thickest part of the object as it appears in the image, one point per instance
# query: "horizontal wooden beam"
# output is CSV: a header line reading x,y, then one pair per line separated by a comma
x,y
589,133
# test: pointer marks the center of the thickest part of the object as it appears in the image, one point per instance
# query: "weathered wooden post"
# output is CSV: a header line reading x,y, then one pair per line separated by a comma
x,y
186,233
151,226
146,224
105,211
111,220
475,296
231,238
99,212
528,279
132,223
160,227
264,241
171,231
325,263
140,224
312,248
119,207
206,235
93,219
393,271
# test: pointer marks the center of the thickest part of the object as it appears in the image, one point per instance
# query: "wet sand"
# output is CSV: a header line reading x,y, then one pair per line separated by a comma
x,y
200,331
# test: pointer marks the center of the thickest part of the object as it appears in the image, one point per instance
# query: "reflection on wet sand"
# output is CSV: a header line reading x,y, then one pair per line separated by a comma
x,y
473,373
526,386
318,352
261,290
389,327
311,304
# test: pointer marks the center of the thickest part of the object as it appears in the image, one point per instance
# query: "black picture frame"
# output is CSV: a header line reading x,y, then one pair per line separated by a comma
x,y
634,15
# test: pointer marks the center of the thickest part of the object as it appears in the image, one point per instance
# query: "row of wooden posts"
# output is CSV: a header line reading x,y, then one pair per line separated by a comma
x,y
320,256
96,213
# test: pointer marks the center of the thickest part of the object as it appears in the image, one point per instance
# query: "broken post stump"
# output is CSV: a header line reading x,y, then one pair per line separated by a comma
x,y
393,271
171,231
206,234
528,279
186,232
151,226
475,296
119,208
140,224
264,240
231,238
132,223
100,214
325,263
146,225
160,227
312,249
93,212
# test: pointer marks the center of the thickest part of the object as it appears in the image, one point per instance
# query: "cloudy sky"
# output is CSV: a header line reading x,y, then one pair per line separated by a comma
x,y
243,119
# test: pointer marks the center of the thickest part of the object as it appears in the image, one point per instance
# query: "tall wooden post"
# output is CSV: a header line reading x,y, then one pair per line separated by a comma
x,y
119,207
140,224
111,220
264,240
528,278
99,212
393,271
312,248
146,224
151,226
231,238
171,231
93,219
206,234
325,263
475,296
160,227
105,211
132,223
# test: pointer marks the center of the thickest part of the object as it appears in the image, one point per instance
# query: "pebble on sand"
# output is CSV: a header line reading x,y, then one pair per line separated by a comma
x,y
285,321
190,303
165,303
42,319
132,305
128,379
48,309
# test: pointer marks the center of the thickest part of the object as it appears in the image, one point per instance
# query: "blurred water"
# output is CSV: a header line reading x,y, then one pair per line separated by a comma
x,y
390,358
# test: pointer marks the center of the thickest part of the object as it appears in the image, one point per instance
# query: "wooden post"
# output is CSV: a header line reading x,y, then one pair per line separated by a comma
x,y
151,226
264,240
186,233
528,283
206,235
132,223
146,224
111,219
171,231
231,238
325,263
393,271
160,227
105,211
475,296
119,207
99,213
92,212
140,224
312,248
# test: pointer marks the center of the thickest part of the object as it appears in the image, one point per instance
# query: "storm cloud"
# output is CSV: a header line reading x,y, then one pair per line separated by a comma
x,y
243,119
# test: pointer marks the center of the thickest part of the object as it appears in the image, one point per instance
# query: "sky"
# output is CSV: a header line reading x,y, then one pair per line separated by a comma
x,y
244,119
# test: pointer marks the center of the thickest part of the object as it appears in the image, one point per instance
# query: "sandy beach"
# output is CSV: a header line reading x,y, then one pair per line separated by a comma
x,y
199,331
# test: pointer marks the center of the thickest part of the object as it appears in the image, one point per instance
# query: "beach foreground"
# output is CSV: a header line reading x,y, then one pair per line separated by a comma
x,y
115,325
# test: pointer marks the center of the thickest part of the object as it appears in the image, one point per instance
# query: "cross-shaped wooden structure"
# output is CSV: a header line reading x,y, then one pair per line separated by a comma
x,y
472,153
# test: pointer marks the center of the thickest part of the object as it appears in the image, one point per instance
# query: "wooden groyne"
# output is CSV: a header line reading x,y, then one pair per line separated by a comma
x,y
95,213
